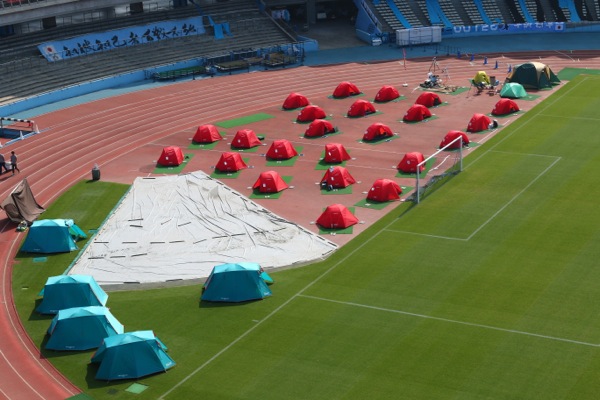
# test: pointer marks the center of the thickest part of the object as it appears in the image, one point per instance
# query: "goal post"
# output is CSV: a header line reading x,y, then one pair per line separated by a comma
x,y
450,165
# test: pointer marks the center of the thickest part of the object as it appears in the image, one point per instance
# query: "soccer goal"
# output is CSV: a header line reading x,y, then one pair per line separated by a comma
x,y
448,166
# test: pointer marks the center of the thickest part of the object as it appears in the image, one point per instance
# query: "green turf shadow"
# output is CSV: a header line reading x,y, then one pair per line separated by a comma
x,y
459,90
230,123
422,174
332,97
344,231
228,175
364,116
321,137
484,131
471,145
285,163
346,190
225,175
256,194
396,100
385,139
419,122
250,150
205,146
375,205
506,115
328,117
173,169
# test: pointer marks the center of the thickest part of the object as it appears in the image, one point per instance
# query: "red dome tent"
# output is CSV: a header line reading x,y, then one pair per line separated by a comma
x,y
377,131
207,134
281,149
245,139
409,163
450,136
336,216
505,107
384,190
171,156
337,178
310,113
416,112
478,123
428,99
386,93
345,89
319,127
230,162
360,108
270,182
335,153
295,100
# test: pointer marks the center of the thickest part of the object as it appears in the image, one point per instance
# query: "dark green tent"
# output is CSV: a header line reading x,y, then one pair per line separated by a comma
x,y
533,75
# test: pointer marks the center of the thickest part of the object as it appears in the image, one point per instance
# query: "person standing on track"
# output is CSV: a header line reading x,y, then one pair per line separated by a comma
x,y
2,163
13,162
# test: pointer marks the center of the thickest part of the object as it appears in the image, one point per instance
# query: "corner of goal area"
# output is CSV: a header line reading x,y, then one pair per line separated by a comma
x,y
438,169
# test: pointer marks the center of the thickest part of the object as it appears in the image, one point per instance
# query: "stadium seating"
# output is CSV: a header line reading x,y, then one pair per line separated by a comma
x,y
250,29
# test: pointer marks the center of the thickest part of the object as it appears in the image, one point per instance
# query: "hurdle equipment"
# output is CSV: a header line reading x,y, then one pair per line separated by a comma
x,y
31,123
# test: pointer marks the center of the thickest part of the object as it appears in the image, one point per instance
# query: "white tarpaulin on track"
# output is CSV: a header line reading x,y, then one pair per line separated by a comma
x,y
180,227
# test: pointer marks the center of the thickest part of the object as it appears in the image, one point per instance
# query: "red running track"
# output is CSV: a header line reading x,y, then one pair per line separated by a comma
x,y
118,134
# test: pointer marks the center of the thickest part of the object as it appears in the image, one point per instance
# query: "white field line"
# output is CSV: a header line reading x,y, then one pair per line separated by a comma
x,y
453,321
21,377
544,105
567,117
508,203
275,311
493,216
480,155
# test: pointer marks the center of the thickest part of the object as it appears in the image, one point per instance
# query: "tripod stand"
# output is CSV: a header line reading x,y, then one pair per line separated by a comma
x,y
434,66
436,70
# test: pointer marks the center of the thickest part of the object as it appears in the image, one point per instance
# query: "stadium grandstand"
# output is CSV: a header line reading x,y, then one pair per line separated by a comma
x,y
231,32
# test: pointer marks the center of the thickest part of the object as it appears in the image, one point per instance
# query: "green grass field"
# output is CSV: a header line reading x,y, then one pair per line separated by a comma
x,y
488,289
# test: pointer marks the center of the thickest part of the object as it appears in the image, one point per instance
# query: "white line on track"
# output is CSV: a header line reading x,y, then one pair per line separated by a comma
x,y
23,379
275,311
453,321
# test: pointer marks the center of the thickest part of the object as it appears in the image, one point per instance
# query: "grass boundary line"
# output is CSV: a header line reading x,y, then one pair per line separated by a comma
x,y
453,321
276,310
502,208
544,105
509,202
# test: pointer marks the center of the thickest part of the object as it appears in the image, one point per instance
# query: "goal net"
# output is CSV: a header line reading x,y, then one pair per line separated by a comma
x,y
448,163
